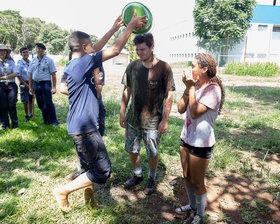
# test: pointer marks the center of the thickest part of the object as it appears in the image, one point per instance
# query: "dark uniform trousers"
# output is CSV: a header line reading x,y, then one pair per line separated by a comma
x,y
8,101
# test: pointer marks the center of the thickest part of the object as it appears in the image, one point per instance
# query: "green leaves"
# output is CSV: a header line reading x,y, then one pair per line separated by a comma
x,y
220,19
17,31
10,26
268,69
54,37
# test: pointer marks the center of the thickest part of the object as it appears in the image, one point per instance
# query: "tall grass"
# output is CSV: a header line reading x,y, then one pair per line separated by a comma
x,y
267,69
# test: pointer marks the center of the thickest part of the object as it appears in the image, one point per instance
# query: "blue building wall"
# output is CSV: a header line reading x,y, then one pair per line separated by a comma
x,y
266,14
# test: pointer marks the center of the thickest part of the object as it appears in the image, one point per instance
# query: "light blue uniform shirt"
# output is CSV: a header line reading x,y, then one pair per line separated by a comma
x,y
22,66
6,68
42,69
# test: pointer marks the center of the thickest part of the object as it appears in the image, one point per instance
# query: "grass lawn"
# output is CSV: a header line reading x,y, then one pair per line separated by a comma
x,y
243,180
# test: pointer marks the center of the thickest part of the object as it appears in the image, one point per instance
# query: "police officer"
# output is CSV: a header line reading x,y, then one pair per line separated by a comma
x,y
42,79
8,88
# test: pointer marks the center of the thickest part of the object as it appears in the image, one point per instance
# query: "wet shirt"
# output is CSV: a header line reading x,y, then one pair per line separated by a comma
x,y
199,132
22,66
149,88
83,104
42,68
8,67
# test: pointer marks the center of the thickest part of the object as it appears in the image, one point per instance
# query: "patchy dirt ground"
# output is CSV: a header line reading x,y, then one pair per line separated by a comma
x,y
227,192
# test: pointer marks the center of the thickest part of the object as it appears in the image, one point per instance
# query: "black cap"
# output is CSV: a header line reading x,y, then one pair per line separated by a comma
x,y
41,45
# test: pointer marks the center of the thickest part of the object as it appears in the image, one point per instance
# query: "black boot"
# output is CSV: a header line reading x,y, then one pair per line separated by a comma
x,y
27,118
133,181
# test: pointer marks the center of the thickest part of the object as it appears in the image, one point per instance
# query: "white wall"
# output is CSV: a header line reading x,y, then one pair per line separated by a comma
x,y
267,2
173,42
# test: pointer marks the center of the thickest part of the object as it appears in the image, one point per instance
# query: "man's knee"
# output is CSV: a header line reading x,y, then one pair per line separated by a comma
x,y
99,177
100,170
152,154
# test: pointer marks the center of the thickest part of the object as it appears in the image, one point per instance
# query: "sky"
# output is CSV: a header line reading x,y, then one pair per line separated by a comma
x,y
97,17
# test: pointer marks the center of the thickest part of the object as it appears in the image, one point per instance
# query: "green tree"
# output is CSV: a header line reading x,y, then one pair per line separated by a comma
x,y
10,27
54,37
220,24
30,30
17,31
94,38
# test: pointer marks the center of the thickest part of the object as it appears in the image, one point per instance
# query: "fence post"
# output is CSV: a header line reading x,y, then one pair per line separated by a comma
x,y
245,50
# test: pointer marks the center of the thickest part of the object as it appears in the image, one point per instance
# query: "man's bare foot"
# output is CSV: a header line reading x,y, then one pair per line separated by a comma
x,y
89,198
62,199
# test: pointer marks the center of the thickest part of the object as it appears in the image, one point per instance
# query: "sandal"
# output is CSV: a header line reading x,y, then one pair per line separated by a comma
x,y
183,209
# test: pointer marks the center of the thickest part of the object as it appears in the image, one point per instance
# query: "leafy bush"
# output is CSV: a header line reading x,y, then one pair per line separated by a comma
x,y
63,61
267,69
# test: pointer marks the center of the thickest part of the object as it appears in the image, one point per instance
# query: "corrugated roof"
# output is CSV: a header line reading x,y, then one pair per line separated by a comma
x,y
266,14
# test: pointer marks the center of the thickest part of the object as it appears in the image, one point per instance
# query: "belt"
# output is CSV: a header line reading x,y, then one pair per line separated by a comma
x,y
5,83
76,137
41,81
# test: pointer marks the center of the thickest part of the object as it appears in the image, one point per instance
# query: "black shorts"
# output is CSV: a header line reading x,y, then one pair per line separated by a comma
x,y
25,96
201,152
93,156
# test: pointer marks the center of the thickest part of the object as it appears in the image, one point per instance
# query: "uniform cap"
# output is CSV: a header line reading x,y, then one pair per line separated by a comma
x,y
4,47
41,45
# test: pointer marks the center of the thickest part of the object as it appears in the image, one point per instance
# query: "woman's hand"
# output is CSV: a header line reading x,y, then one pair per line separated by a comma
x,y
188,80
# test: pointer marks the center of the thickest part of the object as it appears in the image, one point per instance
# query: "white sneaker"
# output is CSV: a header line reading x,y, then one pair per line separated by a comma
x,y
183,209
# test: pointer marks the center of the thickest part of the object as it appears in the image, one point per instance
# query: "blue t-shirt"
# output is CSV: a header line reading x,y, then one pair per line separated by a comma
x,y
22,66
42,68
6,68
83,104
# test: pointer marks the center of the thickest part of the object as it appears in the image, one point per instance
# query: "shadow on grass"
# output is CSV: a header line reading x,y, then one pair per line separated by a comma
x,y
114,141
268,95
155,208
256,136
255,132
249,195
243,186
52,145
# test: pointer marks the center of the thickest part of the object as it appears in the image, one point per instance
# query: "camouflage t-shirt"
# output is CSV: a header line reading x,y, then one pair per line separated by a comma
x,y
149,88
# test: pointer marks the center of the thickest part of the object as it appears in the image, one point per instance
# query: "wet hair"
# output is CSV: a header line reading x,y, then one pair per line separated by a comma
x,y
22,49
144,38
207,61
70,56
76,40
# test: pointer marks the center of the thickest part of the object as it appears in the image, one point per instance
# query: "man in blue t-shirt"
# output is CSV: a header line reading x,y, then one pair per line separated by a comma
x,y
98,74
82,120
